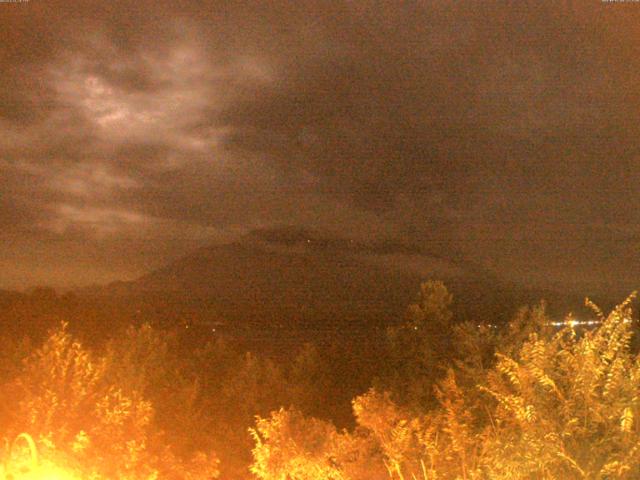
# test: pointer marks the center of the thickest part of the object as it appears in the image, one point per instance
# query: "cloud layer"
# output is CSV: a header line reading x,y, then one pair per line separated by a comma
x,y
135,131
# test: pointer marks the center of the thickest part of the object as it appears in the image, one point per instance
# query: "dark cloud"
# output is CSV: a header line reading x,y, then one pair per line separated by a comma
x,y
504,132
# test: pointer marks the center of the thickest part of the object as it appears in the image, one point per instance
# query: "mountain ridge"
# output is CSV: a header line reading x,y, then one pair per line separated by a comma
x,y
303,279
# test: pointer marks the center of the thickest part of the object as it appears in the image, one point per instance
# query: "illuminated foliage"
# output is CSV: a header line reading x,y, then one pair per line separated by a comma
x,y
67,403
550,405
419,347
69,400
523,401
291,446
566,405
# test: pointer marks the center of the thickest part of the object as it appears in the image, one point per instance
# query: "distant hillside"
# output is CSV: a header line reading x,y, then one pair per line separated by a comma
x,y
293,278
277,288
249,282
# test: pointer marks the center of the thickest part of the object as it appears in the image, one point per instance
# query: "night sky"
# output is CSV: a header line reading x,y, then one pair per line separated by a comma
x,y
132,132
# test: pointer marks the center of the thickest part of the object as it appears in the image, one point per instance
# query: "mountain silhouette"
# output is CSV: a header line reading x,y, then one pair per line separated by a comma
x,y
296,279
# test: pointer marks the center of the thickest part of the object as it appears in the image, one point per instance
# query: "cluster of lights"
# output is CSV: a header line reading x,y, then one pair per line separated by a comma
x,y
563,323
576,323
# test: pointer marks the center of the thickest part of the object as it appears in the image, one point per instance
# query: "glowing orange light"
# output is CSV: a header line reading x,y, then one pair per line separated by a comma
x,y
48,472
33,468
